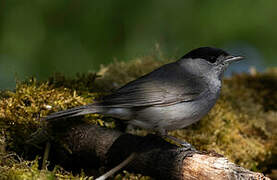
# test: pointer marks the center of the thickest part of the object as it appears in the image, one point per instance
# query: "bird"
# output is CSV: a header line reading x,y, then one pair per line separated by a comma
x,y
171,97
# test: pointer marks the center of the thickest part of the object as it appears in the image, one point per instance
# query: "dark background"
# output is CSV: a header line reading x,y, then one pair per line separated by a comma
x,y
38,38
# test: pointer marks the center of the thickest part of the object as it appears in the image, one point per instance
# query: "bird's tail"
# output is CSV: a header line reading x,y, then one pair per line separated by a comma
x,y
77,111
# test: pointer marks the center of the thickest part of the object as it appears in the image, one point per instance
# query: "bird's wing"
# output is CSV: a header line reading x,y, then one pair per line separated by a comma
x,y
167,85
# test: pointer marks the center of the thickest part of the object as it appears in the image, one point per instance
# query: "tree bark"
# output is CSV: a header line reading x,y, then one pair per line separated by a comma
x,y
91,146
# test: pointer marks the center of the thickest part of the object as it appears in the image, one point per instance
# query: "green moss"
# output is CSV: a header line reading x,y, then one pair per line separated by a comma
x,y
241,126
14,168
22,109
131,176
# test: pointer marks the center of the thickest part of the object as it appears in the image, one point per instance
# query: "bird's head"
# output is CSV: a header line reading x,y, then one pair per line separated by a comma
x,y
211,60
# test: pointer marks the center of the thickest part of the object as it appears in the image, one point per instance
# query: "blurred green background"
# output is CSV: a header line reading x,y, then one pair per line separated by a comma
x,y
38,38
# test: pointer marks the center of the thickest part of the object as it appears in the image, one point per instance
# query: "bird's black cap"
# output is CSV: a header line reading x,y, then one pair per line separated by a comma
x,y
208,53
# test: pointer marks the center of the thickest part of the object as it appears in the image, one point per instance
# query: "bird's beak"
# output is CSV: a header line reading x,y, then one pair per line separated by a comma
x,y
231,59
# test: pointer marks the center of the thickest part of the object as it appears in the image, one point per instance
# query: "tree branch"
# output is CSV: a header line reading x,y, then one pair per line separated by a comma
x,y
91,146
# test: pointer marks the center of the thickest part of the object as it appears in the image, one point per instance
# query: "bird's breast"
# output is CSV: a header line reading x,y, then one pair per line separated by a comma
x,y
178,115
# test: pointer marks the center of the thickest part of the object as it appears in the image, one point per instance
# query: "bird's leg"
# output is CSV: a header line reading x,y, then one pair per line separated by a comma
x,y
184,144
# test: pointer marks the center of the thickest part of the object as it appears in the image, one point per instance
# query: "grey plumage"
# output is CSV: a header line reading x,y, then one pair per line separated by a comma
x,y
170,97
158,88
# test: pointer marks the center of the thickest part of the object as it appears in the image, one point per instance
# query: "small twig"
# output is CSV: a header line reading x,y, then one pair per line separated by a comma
x,y
117,168
46,154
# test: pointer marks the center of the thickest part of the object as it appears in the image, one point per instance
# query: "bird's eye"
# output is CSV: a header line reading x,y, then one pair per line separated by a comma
x,y
212,59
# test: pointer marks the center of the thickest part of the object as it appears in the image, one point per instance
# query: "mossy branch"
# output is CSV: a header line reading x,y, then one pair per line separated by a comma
x,y
154,156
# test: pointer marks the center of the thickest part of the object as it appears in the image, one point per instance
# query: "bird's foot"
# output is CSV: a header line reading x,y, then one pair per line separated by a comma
x,y
185,145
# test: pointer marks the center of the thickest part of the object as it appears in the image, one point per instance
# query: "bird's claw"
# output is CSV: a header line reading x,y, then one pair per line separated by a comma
x,y
187,146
